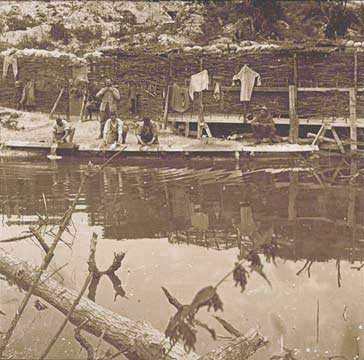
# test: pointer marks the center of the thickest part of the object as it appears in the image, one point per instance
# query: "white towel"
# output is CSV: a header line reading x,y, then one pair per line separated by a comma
x,y
199,82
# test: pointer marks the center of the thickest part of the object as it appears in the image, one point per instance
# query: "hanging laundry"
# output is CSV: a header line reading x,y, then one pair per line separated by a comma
x,y
28,98
217,92
132,98
200,221
248,79
13,61
180,100
199,82
79,74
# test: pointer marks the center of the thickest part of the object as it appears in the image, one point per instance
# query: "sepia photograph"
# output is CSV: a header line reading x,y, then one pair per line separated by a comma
x,y
181,180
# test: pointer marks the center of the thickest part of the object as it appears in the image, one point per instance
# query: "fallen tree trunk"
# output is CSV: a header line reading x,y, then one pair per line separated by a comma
x,y
137,340
134,338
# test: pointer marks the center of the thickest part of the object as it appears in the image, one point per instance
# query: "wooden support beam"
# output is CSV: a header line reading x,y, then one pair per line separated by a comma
x,y
338,141
294,123
356,71
353,120
320,133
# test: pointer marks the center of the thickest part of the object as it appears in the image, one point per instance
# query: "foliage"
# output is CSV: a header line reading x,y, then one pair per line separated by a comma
x,y
28,42
86,35
59,32
15,23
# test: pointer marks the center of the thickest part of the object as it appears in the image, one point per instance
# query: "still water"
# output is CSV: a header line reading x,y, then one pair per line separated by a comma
x,y
178,224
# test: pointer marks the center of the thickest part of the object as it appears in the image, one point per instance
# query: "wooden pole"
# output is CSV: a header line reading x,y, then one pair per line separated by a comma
x,y
295,71
356,71
165,115
293,130
201,117
56,103
353,125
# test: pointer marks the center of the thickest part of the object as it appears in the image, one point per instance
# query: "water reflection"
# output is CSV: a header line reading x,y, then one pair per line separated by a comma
x,y
298,211
306,212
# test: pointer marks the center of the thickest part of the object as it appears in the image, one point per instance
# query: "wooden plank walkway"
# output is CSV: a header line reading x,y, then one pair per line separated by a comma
x,y
239,119
202,149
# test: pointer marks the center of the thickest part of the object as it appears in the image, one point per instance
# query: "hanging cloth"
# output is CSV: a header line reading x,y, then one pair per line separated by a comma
x,y
28,97
248,78
180,100
199,82
79,74
217,92
10,60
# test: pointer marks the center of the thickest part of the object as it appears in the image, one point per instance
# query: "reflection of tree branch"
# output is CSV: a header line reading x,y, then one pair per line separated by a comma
x,y
357,267
83,342
303,268
338,273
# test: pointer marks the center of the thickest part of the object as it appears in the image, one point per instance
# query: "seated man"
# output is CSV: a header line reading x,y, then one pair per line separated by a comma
x,y
114,130
263,126
63,132
147,133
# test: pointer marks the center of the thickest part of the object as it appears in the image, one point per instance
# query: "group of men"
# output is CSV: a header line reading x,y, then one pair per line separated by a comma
x,y
112,129
115,131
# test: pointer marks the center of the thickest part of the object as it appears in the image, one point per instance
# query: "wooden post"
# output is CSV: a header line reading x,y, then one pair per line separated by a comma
x,y
295,71
356,71
68,102
353,127
293,130
169,82
200,117
165,115
56,103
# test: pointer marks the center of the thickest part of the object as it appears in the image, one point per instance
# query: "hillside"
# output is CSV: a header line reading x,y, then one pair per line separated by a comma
x,y
84,26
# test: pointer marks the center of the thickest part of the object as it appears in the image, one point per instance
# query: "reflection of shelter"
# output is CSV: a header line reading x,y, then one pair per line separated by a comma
x,y
307,219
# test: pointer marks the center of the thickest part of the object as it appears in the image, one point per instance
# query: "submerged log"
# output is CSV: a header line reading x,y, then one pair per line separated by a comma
x,y
136,339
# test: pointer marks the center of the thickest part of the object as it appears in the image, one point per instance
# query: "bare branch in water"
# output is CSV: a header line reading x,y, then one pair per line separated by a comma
x,y
45,263
75,303
83,342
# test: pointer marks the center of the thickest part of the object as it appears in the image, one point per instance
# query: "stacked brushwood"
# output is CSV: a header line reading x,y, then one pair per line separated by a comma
x,y
146,70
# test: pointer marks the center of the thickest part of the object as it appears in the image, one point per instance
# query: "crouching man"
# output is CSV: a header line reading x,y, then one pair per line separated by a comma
x,y
263,126
115,131
147,133
63,132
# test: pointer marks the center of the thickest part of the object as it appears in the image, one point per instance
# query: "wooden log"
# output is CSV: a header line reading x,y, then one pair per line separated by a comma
x,y
134,337
321,138
353,120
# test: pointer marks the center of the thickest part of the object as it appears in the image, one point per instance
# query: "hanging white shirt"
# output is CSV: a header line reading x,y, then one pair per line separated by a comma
x,y
199,82
247,77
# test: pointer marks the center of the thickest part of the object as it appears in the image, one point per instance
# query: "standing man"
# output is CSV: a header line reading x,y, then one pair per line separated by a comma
x,y
115,131
109,95
263,126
